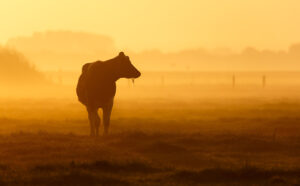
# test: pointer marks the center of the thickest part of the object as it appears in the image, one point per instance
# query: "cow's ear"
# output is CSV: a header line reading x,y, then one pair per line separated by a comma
x,y
121,54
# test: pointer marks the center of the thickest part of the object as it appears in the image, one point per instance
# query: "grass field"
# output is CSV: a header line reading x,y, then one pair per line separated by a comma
x,y
229,142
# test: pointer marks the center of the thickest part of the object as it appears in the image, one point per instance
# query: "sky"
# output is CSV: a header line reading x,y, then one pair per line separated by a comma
x,y
167,25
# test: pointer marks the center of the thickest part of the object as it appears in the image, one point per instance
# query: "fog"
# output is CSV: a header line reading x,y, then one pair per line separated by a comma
x,y
211,95
67,50
48,64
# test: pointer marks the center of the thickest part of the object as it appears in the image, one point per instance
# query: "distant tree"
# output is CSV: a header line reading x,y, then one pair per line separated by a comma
x,y
16,69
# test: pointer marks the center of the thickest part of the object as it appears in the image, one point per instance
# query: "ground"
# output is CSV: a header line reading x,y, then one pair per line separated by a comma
x,y
253,141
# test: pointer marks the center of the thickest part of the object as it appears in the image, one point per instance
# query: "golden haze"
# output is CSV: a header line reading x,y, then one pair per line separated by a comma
x,y
217,103
166,25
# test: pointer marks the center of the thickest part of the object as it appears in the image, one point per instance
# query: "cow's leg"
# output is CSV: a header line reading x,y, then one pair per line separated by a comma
x,y
106,116
97,123
92,119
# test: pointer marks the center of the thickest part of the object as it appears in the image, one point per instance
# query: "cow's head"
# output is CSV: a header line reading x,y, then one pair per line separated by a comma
x,y
125,67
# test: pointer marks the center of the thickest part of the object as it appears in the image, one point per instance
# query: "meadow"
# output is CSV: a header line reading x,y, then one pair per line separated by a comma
x,y
232,141
192,134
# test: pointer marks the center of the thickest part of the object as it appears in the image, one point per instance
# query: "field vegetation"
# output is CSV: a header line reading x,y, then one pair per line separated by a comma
x,y
226,141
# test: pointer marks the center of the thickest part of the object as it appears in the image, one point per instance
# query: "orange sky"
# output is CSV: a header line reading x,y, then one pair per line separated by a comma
x,y
166,24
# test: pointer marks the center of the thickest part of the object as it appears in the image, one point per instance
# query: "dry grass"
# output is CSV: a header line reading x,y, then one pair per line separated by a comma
x,y
234,142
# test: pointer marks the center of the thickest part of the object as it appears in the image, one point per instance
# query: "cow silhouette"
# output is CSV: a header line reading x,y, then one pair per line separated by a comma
x,y
96,87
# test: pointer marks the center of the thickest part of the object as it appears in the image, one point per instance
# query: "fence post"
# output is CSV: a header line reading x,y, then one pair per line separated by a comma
x,y
233,81
264,81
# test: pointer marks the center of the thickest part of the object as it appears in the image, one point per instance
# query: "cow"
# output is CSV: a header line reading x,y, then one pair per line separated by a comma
x,y
96,87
